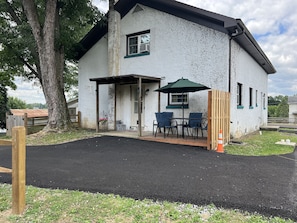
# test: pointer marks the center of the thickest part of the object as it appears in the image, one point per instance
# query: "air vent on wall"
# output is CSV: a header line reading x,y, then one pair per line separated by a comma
x,y
137,8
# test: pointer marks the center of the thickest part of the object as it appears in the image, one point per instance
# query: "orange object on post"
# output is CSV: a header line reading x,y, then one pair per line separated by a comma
x,y
220,148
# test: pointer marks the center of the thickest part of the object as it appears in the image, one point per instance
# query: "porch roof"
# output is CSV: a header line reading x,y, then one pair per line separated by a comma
x,y
126,79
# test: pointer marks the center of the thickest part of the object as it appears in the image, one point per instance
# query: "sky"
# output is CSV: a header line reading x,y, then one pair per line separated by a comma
x,y
273,23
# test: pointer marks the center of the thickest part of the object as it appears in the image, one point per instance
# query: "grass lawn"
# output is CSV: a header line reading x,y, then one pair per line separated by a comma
x,y
45,205
257,144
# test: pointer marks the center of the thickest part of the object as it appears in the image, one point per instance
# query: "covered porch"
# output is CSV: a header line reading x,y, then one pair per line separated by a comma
x,y
218,114
131,79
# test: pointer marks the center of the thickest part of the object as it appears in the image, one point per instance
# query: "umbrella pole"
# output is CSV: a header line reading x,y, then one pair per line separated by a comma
x,y
183,129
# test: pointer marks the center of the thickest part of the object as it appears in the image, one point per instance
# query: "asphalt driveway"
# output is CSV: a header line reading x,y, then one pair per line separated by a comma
x,y
143,169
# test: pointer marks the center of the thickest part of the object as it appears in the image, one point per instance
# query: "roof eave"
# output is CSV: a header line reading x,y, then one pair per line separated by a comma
x,y
246,40
211,20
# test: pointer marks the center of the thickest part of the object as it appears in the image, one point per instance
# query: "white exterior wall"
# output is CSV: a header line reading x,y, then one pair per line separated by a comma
x,y
178,48
247,71
92,64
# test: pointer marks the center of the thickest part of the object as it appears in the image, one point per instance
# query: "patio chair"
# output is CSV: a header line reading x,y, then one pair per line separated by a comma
x,y
164,121
204,126
194,123
155,122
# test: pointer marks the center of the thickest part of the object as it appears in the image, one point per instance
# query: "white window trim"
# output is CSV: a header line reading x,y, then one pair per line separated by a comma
x,y
146,46
186,102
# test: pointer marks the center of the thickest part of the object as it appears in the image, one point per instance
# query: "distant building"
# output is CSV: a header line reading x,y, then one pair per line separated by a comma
x,y
72,107
292,101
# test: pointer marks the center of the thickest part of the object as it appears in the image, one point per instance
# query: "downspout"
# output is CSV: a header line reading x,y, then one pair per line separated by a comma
x,y
232,36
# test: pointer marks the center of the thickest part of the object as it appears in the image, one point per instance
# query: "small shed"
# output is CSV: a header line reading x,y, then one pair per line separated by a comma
x,y
25,117
31,113
72,107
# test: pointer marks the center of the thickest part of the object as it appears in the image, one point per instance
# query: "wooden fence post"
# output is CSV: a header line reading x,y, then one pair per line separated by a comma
x,y
26,122
18,169
79,119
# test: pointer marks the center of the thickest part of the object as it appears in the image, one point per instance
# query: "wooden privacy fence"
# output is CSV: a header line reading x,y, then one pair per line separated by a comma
x,y
24,120
218,117
13,120
18,170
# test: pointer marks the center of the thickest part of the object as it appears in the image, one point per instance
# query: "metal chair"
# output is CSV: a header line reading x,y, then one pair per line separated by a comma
x,y
204,126
164,121
194,123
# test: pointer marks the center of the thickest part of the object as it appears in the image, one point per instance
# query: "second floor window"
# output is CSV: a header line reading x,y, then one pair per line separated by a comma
x,y
138,43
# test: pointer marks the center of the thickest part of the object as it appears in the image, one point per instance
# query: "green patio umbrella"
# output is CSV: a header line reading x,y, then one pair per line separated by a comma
x,y
182,86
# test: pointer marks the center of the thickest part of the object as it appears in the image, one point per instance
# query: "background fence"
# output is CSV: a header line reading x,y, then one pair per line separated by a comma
x,y
285,120
16,120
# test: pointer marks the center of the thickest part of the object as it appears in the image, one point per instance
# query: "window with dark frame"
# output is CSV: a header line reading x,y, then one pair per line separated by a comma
x,y
138,43
251,97
178,99
239,94
256,98
264,101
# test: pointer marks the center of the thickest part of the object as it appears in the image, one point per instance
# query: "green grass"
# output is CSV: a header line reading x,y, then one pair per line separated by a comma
x,y
56,138
45,205
51,138
257,144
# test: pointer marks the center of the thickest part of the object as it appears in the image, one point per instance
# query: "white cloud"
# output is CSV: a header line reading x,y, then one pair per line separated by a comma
x,y
29,92
274,25
272,22
102,5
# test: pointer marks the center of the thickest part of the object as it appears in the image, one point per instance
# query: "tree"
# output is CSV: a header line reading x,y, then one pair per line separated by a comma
x,y
6,80
37,36
278,106
3,106
16,103
283,108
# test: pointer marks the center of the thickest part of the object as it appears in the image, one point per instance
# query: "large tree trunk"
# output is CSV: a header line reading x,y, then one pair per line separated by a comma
x,y
51,60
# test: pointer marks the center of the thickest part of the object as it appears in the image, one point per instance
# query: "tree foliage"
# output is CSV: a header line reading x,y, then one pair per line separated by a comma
x,y
278,106
16,103
3,106
19,55
36,37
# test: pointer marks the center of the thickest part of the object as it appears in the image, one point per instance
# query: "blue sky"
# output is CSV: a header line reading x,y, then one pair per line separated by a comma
x,y
272,22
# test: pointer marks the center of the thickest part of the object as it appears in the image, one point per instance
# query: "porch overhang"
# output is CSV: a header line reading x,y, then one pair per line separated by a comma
x,y
125,80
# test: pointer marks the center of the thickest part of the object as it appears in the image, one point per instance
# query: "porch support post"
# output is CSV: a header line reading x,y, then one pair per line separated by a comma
x,y
115,108
97,107
139,107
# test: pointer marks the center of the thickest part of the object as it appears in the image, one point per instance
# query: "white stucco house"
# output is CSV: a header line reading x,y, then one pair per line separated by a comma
x,y
148,44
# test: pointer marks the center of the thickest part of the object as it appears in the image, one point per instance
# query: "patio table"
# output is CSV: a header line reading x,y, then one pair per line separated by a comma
x,y
183,123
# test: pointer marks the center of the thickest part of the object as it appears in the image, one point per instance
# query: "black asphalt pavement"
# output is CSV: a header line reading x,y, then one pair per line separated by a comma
x,y
143,169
